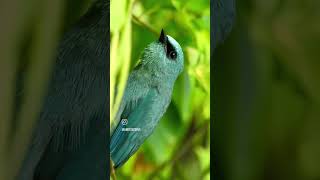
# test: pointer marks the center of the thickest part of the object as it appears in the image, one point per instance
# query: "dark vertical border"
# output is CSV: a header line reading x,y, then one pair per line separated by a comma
x,y
222,17
108,91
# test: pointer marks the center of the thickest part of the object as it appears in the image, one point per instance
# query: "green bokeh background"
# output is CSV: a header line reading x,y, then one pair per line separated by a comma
x,y
179,148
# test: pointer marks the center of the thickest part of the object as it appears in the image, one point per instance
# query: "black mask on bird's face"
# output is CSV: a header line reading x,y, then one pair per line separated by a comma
x,y
171,52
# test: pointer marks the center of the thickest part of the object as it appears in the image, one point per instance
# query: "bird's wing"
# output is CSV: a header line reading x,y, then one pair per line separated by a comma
x,y
223,14
125,143
72,101
126,105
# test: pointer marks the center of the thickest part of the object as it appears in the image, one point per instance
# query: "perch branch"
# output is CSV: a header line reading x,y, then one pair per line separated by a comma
x,y
112,171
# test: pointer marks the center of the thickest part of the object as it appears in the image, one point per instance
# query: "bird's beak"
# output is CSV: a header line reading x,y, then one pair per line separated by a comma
x,y
163,39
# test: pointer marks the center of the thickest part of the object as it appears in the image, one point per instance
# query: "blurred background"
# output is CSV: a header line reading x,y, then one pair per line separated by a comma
x,y
266,93
179,148
29,34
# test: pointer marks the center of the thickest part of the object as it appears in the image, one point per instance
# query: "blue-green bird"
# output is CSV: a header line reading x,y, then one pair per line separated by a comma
x,y
146,97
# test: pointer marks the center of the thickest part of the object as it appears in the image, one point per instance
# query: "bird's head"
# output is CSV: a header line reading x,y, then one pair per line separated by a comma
x,y
163,57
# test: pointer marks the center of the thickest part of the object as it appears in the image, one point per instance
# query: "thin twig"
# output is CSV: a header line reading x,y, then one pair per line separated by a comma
x,y
181,151
139,22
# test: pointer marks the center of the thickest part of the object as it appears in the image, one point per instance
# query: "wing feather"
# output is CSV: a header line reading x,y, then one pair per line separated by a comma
x,y
125,143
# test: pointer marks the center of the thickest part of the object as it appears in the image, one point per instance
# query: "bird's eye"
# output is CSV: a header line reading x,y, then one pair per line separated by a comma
x,y
173,55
